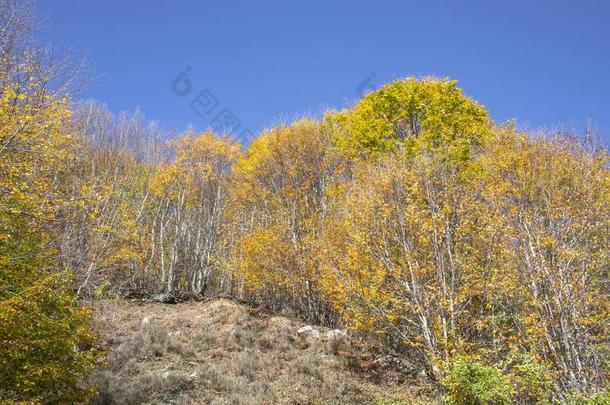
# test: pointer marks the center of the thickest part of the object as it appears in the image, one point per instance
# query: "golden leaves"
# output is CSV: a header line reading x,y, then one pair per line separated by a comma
x,y
413,116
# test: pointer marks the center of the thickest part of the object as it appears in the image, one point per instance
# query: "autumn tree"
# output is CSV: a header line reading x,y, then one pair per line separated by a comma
x,y
190,197
106,237
413,115
45,334
407,254
279,204
408,245
551,196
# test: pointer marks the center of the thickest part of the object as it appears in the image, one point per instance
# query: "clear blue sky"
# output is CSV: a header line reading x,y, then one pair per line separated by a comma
x,y
544,63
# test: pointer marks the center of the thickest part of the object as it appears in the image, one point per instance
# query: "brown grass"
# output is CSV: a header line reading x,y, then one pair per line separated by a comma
x,y
221,352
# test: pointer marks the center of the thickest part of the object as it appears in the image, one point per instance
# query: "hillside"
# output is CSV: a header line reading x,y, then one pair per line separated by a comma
x,y
467,256
222,352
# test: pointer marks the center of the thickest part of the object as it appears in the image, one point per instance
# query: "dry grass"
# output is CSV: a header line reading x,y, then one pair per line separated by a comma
x,y
221,352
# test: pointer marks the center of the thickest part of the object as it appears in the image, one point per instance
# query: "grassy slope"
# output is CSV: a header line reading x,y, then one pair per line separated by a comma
x,y
222,352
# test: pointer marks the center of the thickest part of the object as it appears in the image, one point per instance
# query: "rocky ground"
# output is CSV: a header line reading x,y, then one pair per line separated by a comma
x,y
222,352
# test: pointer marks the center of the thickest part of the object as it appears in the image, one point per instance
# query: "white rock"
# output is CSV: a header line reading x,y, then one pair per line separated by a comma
x,y
383,360
336,334
147,320
308,331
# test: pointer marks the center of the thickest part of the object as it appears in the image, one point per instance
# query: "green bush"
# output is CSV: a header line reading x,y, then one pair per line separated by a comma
x,y
530,378
46,344
598,398
47,341
469,381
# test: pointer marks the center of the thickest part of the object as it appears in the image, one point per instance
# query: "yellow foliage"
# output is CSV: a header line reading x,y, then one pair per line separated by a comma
x,y
45,334
412,115
278,195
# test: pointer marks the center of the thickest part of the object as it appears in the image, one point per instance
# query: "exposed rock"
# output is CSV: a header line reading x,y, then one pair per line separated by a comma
x,y
147,320
383,361
336,334
165,298
308,331
397,363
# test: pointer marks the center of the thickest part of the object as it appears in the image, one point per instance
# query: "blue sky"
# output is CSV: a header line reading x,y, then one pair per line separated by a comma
x,y
544,63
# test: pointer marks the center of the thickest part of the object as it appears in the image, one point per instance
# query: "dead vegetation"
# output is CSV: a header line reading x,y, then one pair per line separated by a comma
x,y
221,352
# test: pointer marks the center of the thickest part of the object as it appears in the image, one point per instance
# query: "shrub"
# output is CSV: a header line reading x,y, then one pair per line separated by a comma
x,y
597,398
531,378
469,381
46,342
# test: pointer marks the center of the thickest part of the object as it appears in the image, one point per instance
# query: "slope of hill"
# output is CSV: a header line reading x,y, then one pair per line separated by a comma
x,y
222,352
